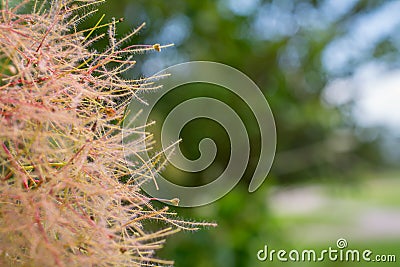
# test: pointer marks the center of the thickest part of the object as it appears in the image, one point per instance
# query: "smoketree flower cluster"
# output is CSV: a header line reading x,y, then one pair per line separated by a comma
x,y
67,194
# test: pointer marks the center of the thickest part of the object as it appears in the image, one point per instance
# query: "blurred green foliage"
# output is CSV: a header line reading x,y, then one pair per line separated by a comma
x,y
316,142
287,68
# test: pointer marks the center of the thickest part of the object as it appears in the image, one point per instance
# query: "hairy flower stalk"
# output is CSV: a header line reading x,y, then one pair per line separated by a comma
x,y
62,202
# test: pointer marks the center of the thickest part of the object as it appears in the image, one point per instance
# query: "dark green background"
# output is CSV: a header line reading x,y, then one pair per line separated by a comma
x,y
315,192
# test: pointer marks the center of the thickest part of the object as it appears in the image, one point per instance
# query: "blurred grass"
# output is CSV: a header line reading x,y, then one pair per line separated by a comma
x,y
306,216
